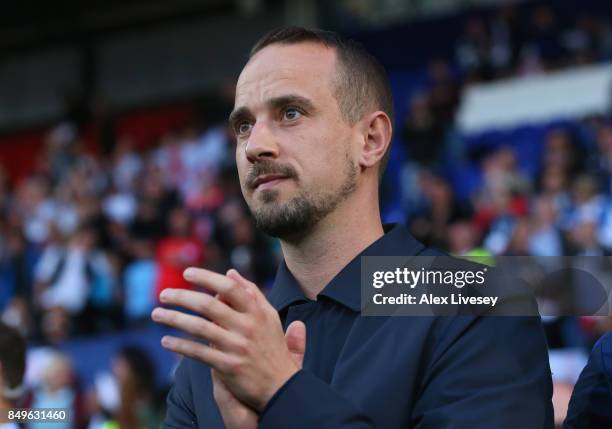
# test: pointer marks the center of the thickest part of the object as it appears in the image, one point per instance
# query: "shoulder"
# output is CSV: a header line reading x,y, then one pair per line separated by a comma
x,y
600,360
591,400
601,355
604,345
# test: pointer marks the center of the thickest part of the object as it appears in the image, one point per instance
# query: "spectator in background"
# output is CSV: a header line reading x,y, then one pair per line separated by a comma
x,y
12,370
508,38
136,377
177,251
156,199
438,207
423,133
35,207
126,164
58,389
545,37
444,93
518,240
582,40
423,137
501,200
16,260
147,223
502,176
582,238
563,151
125,398
67,275
59,156
545,239
587,202
139,280
119,206
462,238
202,157
554,184
473,52
600,161
244,247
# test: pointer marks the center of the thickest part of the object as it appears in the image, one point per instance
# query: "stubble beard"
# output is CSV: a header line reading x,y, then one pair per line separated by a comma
x,y
295,218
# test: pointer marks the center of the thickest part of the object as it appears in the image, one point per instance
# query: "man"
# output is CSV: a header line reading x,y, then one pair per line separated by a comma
x,y
591,403
12,369
312,118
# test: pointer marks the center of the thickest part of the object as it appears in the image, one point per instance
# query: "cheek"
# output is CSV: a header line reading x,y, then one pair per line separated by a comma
x,y
324,158
242,163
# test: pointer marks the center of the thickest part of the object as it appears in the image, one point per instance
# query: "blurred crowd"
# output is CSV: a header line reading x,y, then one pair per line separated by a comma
x,y
511,43
564,205
548,210
124,397
88,241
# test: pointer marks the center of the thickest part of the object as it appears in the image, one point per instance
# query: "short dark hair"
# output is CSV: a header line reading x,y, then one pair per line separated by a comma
x,y
362,82
12,356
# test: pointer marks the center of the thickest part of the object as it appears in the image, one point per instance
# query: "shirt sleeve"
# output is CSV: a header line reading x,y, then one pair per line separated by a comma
x,y
305,402
489,372
180,411
591,402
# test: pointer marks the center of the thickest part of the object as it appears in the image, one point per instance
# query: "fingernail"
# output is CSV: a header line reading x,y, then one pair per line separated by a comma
x,y
155,315
189,274
165,295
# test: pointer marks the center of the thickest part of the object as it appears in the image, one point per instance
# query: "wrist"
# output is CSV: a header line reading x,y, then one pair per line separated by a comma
x,y
279,381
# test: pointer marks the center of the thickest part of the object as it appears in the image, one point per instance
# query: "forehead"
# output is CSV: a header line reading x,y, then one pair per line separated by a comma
x,y
306,69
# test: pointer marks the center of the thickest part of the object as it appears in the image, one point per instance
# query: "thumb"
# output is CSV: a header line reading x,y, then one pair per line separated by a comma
x,y
295,337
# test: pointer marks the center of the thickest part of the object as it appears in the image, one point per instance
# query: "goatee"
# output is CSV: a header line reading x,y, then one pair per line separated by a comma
x,y
294,219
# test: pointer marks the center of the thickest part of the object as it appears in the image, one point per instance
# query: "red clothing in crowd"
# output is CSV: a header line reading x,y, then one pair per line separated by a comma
x,y
174,254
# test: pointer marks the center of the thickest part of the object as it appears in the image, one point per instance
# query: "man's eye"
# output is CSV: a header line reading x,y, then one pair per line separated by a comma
x,y
292,114
244,127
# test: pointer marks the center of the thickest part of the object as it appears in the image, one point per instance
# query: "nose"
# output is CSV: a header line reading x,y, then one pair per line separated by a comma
x,y
262,143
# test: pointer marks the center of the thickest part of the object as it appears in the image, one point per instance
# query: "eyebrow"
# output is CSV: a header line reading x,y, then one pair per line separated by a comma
x,y
272,104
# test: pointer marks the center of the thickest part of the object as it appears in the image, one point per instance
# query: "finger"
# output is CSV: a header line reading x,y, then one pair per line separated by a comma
x,y
232,293
198,327
194,350
204,304
251,289
295,338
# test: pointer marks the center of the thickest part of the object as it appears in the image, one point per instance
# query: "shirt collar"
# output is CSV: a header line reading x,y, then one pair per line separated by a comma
x,y
345,287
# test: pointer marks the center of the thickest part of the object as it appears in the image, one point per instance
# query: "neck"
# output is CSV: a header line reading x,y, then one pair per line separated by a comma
x,y
333,242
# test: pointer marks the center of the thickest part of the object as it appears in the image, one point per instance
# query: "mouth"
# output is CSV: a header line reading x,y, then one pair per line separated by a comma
x,y
267,181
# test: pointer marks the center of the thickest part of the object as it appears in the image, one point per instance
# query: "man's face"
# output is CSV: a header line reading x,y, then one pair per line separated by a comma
x,y
294,150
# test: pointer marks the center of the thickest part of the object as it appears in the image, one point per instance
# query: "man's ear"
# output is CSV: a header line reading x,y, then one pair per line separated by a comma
x,y
377,138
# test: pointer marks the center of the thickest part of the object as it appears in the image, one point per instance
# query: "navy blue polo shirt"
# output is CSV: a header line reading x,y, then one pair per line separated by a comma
x,y
389,372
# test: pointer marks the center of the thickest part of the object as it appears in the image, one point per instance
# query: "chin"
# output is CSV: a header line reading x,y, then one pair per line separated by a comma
x,y
269,196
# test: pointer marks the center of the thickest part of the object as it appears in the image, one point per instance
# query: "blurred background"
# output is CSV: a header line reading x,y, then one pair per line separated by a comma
x,y
117,168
